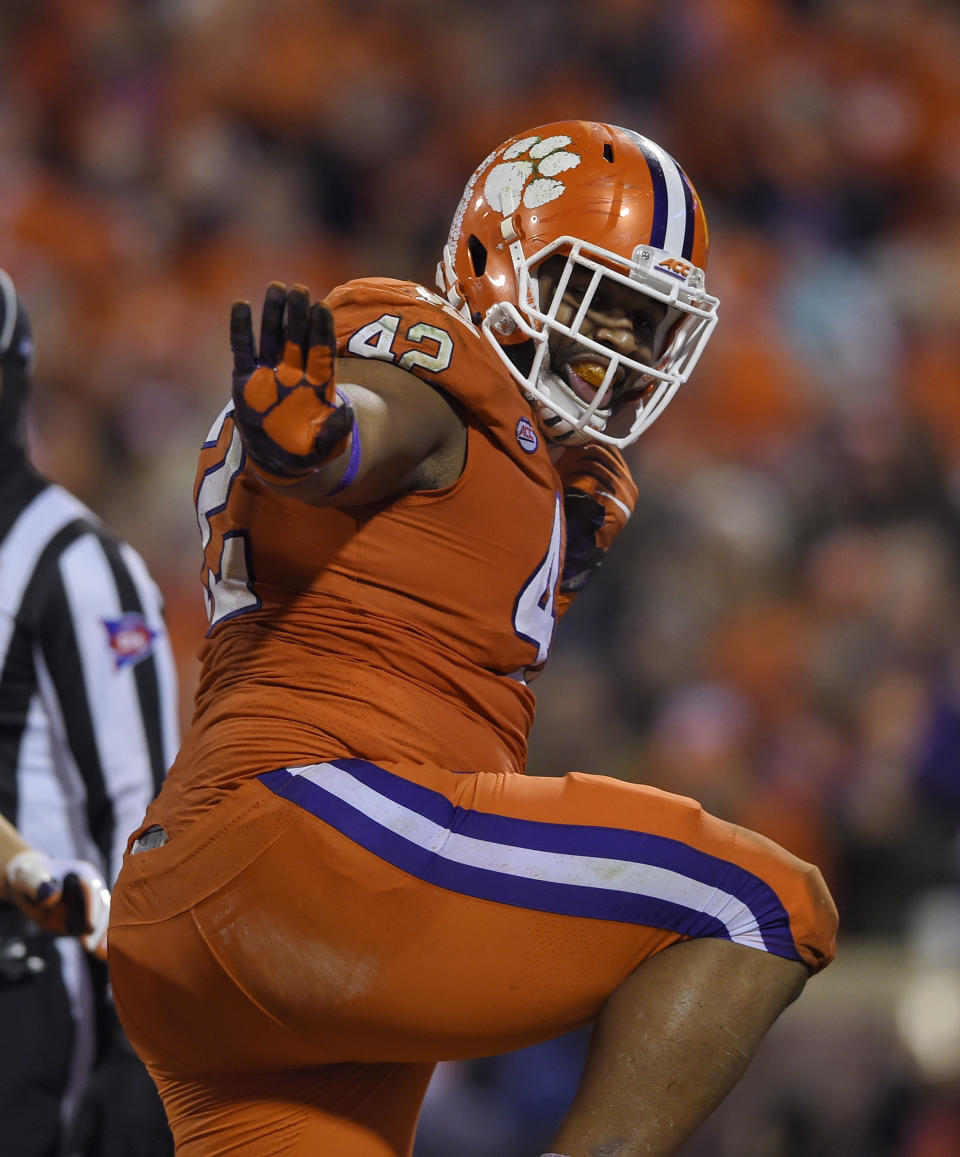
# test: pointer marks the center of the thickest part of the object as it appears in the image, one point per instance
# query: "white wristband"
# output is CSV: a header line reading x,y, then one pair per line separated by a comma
x,y
28,871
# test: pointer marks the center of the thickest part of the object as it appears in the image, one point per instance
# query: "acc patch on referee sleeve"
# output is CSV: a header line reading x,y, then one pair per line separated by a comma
x,y
129,638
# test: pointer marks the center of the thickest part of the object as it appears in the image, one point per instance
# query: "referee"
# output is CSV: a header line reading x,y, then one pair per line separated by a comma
x,y
88,728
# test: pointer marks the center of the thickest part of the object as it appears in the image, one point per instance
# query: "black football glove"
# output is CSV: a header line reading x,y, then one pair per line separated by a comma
x,y
285,399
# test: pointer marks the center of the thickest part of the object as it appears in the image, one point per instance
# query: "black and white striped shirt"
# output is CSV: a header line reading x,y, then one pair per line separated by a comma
x,y
88,691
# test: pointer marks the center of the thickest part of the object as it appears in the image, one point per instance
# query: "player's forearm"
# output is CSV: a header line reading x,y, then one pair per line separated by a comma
x,y
398,424
375,464
325,481
333,438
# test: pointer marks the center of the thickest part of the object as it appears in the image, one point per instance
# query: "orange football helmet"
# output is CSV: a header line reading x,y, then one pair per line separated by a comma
x,y
613,203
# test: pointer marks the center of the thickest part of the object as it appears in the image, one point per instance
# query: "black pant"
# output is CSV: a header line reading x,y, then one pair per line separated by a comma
x,y
119,1113
36,1040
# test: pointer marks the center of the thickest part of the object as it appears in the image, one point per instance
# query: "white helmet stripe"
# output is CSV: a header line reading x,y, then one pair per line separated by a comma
x,y
672,204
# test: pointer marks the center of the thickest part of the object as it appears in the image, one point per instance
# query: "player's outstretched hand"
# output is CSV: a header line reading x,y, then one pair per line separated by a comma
x,y
285,399
65,897
598,497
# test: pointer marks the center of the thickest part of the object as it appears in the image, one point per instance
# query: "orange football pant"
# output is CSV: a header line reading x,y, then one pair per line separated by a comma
x,y
291,968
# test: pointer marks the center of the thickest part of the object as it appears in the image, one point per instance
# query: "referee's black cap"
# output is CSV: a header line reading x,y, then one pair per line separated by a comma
x,y
16,333
16,368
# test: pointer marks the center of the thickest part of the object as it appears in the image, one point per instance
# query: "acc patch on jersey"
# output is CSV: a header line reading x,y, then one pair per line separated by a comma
x,y
129,638
527,436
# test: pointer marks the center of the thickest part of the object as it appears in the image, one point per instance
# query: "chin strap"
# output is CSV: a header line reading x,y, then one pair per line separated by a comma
x,y
511,234
555,427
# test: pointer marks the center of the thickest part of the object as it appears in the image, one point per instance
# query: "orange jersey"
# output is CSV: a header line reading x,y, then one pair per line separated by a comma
x,y
400,630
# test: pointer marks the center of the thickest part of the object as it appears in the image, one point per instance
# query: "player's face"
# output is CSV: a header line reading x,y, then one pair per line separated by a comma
x,y
622,319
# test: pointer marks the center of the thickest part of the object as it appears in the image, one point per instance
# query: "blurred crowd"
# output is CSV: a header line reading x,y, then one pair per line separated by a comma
x,y
778,632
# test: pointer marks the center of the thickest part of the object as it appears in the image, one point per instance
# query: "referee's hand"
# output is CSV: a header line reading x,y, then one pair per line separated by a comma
x,y
65,897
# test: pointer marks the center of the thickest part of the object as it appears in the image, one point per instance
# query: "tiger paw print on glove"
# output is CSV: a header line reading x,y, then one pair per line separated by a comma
x,y
286,404
599,495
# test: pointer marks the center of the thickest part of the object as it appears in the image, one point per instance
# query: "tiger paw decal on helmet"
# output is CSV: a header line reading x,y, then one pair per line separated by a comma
x,y
529,169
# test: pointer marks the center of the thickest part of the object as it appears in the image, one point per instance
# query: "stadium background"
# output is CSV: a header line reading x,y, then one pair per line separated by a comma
x,y
779,632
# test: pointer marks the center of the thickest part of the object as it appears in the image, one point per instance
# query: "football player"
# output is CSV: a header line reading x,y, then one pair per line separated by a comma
x,y
347,876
